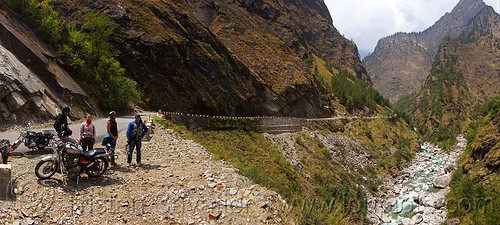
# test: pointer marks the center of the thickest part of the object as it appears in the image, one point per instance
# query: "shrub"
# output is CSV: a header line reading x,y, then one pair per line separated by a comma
x,y
373,187
326,152
368,132
472,201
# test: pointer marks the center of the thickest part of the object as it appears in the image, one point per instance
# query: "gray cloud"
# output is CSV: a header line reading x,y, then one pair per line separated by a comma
x,y
366,21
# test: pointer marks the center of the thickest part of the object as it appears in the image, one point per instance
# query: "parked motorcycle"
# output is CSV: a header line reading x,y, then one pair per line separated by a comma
x,y
71,160
34,140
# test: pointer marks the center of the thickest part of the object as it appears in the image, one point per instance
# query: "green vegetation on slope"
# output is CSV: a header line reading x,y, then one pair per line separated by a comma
x,y
472,201
391,143
86,50
474,197
339,84
404,106
442,106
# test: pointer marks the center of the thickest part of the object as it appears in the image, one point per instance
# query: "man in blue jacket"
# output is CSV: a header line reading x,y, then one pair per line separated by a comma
x,y
136,130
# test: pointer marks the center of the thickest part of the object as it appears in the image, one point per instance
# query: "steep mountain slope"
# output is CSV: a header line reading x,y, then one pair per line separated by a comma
x,y
223,57
477,180
33,87
466,72
401,62
445,99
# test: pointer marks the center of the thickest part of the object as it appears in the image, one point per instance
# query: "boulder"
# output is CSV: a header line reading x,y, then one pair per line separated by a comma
x,y
419,199
419,210
434,200
392,201
15,101
450,169
5,178
406,221
442,181
384,218
417,219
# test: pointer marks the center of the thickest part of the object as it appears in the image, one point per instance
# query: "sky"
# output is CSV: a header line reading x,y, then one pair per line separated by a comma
x,y
366,21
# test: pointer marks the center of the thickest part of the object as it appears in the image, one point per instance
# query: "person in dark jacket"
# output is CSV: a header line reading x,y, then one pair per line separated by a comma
x,y
61,125
136,130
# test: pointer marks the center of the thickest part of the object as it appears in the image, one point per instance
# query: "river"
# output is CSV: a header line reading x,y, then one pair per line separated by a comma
x,y
418,195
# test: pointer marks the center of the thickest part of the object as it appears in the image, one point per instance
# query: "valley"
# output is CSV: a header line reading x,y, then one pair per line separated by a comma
x,y
269,116
418,196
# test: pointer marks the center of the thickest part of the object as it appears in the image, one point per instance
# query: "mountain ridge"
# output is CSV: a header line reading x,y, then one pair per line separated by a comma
x,y
464,74
400,62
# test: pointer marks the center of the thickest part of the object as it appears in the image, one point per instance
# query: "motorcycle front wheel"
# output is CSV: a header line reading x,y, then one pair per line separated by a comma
x,y
45,169
98,167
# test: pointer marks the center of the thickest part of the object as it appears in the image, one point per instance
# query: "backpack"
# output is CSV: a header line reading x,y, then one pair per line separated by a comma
x,y
136,133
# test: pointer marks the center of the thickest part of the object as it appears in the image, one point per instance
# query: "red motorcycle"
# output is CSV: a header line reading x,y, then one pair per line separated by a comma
x,y
71,160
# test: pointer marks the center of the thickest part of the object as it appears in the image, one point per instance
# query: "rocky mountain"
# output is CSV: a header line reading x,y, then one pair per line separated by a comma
x,y
239,57
466,72
461,96
33,87
401,62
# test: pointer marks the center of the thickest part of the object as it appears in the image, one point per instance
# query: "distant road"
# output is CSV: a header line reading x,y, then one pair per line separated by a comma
x,y
349,117
100,126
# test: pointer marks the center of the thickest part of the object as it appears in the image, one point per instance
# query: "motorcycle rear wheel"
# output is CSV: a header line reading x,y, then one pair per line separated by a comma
x,y
98,167
45,169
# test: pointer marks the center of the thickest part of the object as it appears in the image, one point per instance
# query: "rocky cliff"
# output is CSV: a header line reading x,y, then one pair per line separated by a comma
x,y
240,57
32,86
401,62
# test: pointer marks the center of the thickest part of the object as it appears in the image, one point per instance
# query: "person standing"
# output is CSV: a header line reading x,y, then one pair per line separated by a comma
x,y
87,134
112,135
136,130
61,125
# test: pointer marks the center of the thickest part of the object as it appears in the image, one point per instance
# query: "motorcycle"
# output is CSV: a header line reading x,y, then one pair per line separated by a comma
x,y
71,160
34,140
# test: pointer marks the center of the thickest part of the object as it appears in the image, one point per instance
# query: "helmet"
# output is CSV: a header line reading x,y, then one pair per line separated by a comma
x,y
66,108
112,113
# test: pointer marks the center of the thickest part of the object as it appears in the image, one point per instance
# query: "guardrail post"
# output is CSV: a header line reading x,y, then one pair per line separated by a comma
x,y
5,180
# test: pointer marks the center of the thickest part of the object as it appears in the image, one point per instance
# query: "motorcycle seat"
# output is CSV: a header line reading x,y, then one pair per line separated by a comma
x,y
46,132
92,153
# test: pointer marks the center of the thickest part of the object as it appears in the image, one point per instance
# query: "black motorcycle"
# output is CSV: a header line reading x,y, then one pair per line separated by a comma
x,y
71,160
34,140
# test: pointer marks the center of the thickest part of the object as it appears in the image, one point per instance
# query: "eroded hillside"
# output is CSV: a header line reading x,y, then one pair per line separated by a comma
x,y
325,172
223,57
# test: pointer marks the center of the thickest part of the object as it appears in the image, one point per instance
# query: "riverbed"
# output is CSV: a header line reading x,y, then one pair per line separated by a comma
x,y
418,194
